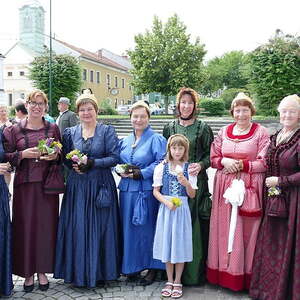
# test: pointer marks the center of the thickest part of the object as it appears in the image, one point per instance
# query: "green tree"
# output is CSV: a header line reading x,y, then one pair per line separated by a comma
x,y
66,77
165,59
227,71
275,71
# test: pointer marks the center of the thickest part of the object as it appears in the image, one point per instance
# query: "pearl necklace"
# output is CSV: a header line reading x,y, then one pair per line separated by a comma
x,y
240,131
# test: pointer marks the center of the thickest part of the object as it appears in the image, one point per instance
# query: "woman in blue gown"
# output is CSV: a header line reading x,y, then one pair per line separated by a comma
x,y
88,244
144,149
6,284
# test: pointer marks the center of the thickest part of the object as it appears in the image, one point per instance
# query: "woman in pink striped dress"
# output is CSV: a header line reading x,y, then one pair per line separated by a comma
x,y
237,152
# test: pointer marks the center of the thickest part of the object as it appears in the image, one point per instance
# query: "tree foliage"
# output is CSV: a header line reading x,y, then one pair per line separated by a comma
x,y
275,71
229,94
66,77
212,107
227,71
165,59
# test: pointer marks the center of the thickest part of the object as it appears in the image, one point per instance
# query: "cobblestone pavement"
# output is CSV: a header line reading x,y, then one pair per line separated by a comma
x,y
120,290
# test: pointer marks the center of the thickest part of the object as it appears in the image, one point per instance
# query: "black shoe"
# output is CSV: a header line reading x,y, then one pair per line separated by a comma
x,y
144,282
100,283
28,288
134,277
44,287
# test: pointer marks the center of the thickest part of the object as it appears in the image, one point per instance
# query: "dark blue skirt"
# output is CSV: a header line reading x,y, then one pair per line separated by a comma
x,y
89,240
6,284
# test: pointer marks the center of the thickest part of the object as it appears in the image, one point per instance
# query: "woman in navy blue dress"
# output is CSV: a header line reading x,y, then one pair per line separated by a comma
x,y
144,149
88,244
6,284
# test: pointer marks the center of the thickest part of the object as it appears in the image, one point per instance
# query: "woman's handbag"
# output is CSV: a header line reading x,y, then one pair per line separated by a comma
x,y
54,183
277,206
103,199
140,211
251,206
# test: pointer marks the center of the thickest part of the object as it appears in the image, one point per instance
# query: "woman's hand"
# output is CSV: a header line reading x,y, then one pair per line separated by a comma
x,y
124,175
5,168
230,165
48,157
31,153
271,181
76,168
194,169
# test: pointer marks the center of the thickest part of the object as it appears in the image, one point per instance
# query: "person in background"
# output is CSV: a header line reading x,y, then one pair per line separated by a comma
x,y
35,213
88,251
143,149
48,117
66,117
276,265
20,110
237,152
6,283
200,137
173,236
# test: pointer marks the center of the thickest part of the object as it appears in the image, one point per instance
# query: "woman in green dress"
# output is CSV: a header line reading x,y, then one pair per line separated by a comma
x,y
200,137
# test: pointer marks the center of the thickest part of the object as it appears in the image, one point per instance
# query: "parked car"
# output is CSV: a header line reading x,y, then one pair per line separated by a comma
x,y
123,109
155,110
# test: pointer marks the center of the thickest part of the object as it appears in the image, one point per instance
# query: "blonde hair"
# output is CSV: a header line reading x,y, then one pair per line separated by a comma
x,y
35,93
85,98
178,140
140,104
243,100
295,99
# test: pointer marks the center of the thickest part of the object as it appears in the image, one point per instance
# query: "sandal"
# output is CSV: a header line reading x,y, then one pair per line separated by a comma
x,y
176,293
167,292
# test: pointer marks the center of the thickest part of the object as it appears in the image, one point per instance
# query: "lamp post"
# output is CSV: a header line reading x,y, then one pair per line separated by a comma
x,y
50,61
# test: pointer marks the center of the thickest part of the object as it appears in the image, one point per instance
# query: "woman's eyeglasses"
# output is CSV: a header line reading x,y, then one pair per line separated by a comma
x,y
34,104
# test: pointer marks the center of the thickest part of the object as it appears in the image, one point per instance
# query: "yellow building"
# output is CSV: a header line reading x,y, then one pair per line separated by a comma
x,y
107,74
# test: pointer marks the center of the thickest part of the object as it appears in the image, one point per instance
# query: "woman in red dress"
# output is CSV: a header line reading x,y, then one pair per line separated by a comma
x,y
35,214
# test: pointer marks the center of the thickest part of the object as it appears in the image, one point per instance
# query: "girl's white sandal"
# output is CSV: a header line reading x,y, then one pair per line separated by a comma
x,y
167,292
176,293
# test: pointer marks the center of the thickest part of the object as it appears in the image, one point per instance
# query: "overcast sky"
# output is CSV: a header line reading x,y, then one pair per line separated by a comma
x,y
222,25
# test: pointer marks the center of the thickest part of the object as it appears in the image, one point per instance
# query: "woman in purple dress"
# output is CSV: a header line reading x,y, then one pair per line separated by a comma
x,y
276,266
35,214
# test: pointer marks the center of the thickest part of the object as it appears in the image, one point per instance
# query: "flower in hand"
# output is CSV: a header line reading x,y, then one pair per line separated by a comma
x,y
176,201
49,146
274,191
77,157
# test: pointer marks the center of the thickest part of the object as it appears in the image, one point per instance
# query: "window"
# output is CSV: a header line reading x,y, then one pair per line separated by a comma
x,y
9,74
98,77
91,76
123,83
22,73
116,81
84,74
108,79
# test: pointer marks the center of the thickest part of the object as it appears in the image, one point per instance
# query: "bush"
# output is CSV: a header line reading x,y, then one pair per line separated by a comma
x,y
212,107
229,94
105,108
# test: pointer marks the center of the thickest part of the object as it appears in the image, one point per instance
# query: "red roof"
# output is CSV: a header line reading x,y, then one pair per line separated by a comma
x,y
94,56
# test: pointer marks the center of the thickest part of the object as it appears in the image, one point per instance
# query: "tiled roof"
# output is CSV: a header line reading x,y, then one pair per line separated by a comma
x,y
94,56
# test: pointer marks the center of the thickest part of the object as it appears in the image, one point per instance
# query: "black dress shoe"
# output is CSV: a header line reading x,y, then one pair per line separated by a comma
x,y
44,287
144,281
28,288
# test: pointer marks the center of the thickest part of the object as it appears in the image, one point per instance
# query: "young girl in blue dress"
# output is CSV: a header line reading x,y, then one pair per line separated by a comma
x,y
173,237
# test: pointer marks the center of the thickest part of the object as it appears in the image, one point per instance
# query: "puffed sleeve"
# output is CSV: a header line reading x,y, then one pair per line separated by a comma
x,y
216,150
158,150
157,175
193,181
293,179
12,155
68,146
111,150
258,165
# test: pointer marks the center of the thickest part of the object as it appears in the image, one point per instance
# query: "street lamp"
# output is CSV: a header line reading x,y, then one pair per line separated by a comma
x,y
50,61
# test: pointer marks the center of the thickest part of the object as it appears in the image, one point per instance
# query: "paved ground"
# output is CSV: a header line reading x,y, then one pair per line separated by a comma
x,y
119,290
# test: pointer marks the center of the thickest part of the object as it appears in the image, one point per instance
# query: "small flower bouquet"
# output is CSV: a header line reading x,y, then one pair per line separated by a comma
x,y
77,157
274,191
125,168
49,146
176,201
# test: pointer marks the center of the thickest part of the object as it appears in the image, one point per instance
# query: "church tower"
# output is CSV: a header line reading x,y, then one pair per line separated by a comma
x,y
32,26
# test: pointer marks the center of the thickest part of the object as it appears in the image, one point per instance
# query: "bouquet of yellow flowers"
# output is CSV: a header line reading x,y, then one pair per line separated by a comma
x,y
49,146
77,157
176,201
